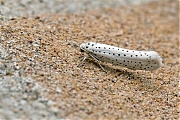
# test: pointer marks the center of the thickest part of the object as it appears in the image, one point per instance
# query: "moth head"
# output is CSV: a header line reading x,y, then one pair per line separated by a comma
x,y
86,46
82,47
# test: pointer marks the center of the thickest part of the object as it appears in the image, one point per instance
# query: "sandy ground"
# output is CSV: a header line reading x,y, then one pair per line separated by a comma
x,y
43,52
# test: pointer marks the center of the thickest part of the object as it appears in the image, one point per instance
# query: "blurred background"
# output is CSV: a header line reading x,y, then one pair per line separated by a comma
x,y
17,8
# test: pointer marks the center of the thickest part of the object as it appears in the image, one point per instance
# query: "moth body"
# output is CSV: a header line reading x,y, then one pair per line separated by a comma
x,y
132,59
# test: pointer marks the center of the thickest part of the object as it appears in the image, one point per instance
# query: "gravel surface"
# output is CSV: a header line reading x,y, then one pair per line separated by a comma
x,y
39,57
21,97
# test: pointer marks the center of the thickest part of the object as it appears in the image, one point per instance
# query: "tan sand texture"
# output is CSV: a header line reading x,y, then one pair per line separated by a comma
x,y
46,49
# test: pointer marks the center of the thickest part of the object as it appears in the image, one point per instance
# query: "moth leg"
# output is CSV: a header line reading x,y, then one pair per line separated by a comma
x,y
82,60
98,62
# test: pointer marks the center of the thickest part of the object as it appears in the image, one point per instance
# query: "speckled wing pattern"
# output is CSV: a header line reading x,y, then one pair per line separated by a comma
x,y
132,59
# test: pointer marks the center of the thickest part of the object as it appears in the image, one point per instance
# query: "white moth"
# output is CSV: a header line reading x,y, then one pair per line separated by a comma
x,y
132,59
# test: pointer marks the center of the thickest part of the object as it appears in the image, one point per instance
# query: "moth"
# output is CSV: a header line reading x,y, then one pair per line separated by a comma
x,y
132,59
